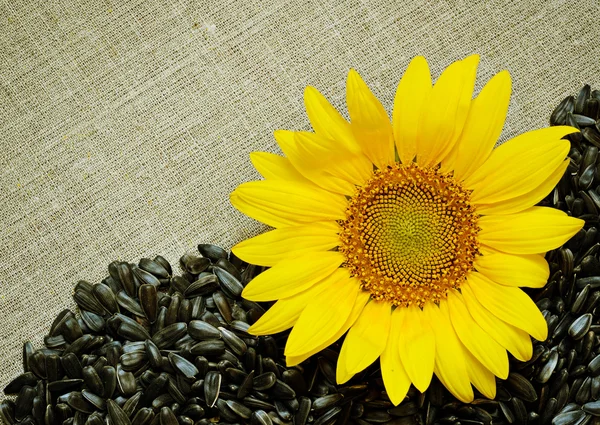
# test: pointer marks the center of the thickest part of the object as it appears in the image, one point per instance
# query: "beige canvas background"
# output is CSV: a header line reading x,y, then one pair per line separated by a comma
x,y
125,124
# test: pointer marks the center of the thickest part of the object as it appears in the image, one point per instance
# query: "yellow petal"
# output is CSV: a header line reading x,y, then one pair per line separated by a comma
x,y
521,172
359,304
275,167
267,216
292,276
446,110
533,231
324,315
530,270
284,313
370,123
483,127
522,202
267,249
482,378
322,154
395,379
450,366
291,201
516,158
414,88
309,165
327,121
367,337
491,354
416,346
515,340
509,304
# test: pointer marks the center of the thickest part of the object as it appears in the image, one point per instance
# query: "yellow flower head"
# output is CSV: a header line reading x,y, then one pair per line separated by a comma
x,y
413,236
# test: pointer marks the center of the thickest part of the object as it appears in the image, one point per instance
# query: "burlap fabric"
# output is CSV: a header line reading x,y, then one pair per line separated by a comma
x,y
125,125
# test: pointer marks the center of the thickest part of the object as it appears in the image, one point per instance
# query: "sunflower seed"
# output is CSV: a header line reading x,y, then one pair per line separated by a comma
x,y
24,402
212,385
193,264
208,348
116,414
167,336
569,418
580,326
149,301
203,286
260,417
154,267
182,365
202,331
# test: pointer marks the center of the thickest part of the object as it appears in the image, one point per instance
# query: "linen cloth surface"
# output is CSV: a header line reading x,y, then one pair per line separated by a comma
x,y
124,125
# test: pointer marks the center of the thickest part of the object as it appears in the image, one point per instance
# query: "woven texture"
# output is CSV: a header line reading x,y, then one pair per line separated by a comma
x,y
125,125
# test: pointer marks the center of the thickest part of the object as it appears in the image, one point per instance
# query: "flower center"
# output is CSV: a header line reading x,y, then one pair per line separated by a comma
x,y
410,235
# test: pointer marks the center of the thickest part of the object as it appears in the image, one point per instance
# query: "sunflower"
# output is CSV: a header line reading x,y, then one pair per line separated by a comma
x,y
413,236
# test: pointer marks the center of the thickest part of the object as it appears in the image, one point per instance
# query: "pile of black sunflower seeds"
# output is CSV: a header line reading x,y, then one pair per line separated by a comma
x,y
149,347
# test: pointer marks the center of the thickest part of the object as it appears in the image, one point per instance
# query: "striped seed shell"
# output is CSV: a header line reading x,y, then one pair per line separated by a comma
x,y
580,326
184,366
80,403
163,262
167,417
92,380
167,336
19,382
149,301
212,387
568,418
154,267
212,252
143,416
129,303
193,264
208,348
260,417
201,331
24,402
153,354
204,285
106,297
145,277
230,284
116,414
233,341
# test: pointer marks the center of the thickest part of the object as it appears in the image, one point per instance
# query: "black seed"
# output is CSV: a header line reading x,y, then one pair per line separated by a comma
x,y
212,385
580,326
149,301
19,382
569,418
154,267
260,417
212,252
204,285
167,336
116,414
130,304
230,284
208,348
24,402
182,365
143,416
201,330
194,265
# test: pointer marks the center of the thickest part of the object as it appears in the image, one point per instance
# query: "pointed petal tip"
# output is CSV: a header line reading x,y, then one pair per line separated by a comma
x,y
310,91
353,78
474,58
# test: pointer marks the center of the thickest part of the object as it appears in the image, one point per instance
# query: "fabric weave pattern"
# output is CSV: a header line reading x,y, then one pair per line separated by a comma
x,y
125,125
